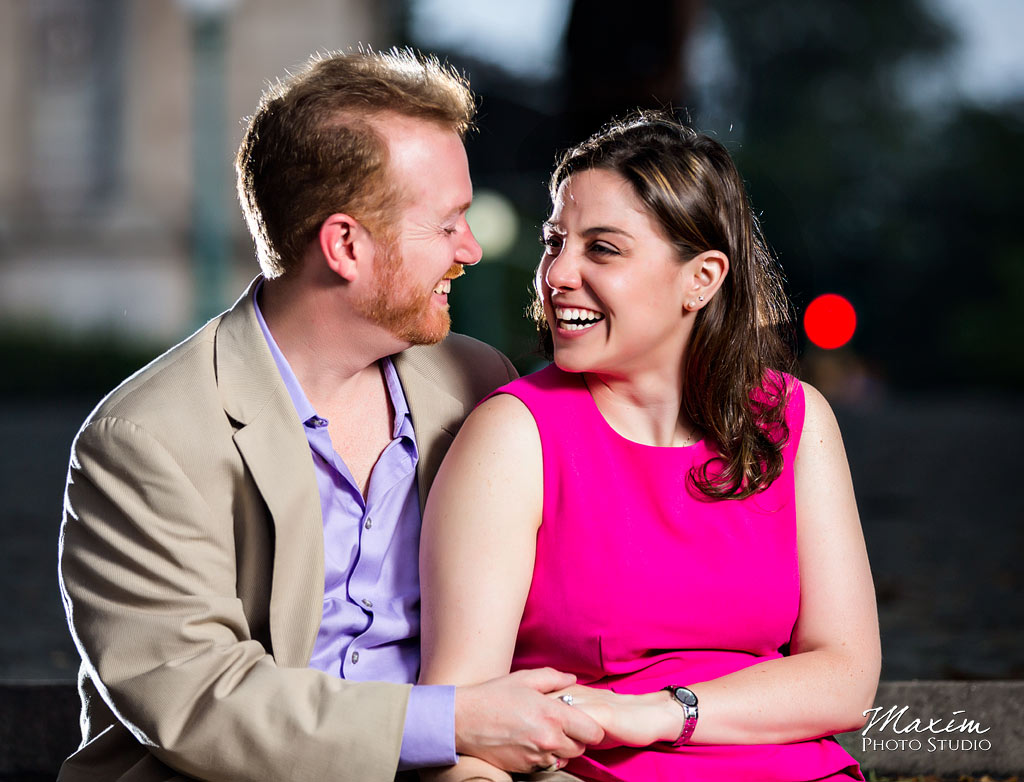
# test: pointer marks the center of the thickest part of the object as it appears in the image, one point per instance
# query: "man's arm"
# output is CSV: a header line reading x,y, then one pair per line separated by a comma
x,y
148,577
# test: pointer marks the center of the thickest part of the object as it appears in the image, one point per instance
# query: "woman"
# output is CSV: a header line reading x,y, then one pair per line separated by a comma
x,y
663,507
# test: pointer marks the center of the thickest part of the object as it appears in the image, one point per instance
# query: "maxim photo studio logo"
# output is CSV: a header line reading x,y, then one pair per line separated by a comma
x,y
895,730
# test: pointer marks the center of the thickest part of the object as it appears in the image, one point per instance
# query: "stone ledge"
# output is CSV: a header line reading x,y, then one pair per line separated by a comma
x,y
39,728
899,741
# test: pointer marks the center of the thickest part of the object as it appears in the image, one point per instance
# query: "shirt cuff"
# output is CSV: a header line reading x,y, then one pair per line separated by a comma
x,y
429,735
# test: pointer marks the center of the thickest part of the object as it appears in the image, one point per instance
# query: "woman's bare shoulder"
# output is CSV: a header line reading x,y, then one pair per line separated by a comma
x,y
819,421
501,418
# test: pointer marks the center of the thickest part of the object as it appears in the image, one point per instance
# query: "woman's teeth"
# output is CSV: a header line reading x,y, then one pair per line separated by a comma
x,y
572,319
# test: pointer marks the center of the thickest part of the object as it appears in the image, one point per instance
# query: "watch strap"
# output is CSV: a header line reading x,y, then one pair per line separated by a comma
x,y
689,707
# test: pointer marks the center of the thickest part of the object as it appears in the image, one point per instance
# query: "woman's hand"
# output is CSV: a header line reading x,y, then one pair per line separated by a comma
x,y
628,720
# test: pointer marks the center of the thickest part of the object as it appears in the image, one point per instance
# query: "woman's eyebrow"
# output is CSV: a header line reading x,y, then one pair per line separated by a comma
x,y
606,229
597,229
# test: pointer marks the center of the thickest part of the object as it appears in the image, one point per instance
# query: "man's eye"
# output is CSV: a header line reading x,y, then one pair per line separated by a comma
x,y
449,230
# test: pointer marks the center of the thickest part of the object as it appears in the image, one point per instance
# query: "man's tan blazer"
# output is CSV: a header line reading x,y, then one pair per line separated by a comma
x,y
192,568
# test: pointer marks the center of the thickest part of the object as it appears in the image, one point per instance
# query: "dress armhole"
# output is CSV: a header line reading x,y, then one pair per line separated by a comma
x,y
795,408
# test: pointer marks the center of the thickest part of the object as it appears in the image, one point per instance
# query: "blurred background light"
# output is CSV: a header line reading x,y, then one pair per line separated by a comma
x,y
523,37
494,222
203,8
986,64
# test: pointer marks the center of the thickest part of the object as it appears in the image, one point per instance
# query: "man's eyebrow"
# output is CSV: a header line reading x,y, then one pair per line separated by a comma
x,y
461,209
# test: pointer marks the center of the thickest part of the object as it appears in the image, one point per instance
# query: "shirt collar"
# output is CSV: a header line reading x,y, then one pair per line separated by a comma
x,y
403,418
307,414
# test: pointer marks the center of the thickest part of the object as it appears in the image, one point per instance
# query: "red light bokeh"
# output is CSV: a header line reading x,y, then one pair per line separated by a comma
x,y
830,321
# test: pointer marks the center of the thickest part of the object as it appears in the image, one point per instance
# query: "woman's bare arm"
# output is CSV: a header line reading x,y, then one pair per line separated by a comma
x,y
479,543
476,564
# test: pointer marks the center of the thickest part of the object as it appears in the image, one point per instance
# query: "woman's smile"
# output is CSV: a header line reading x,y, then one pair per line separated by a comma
x,y
615,286
577,318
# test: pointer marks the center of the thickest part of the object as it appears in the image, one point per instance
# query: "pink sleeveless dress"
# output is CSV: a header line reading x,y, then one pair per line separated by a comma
x,y
638,584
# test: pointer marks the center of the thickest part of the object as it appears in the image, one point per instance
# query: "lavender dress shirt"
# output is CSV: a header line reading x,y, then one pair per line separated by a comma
x,y
371,621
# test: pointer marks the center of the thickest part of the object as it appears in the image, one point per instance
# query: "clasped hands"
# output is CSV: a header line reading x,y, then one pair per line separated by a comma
x,y
519,723
627,720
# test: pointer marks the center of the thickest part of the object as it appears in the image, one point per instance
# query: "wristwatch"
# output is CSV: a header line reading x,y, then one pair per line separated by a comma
x,y
685,698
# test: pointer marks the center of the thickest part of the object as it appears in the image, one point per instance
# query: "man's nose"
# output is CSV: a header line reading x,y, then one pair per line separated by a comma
x,y
470,251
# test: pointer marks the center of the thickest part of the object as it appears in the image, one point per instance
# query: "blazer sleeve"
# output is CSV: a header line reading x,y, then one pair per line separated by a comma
x,y
148,578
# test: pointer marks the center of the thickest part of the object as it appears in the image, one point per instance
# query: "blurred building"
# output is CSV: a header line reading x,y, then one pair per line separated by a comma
x,y
102,144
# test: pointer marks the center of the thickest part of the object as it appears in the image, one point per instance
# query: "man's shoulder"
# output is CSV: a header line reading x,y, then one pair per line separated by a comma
x,y
461,365
180,377
465,349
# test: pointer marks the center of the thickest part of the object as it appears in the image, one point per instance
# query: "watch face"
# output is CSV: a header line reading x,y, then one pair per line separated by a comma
x,y
685,696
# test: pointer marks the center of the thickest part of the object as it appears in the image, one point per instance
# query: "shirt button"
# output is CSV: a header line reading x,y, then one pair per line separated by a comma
x,y
367,603
368,524
355,657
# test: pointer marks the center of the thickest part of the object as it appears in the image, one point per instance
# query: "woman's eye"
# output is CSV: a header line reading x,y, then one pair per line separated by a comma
x,y
449,230
551,242
603,249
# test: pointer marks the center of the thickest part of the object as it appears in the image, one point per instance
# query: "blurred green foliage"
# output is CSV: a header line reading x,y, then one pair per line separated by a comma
x,y
905,204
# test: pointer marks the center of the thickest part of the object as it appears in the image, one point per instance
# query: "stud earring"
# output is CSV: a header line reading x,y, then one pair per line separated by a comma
x,y
700,298
690,305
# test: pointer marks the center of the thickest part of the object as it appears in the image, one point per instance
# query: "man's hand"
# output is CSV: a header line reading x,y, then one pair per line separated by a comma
x,y
511,724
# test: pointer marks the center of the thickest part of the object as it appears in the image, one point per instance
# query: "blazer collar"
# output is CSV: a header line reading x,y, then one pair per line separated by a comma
x,y
436,414
274,448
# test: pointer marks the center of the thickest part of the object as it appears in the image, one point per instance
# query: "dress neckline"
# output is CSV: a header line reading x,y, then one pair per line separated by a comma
x,y
603,422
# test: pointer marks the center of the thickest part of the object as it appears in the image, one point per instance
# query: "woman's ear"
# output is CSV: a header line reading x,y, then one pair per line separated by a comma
x,y
706,272
346,246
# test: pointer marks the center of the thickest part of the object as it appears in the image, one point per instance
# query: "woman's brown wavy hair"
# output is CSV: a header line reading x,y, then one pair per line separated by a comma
x,y
734,390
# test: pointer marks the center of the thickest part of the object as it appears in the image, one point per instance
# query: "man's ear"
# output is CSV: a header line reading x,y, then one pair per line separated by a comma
x,y
706,273
346,245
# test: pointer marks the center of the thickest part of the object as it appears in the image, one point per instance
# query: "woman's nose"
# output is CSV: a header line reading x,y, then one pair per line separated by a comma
x,y
563,272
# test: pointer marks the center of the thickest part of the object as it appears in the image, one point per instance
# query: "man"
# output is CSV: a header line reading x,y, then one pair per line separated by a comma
x,y
241,528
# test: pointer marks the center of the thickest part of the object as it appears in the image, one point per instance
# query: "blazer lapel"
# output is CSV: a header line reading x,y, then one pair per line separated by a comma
x,y
436,414
272,445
